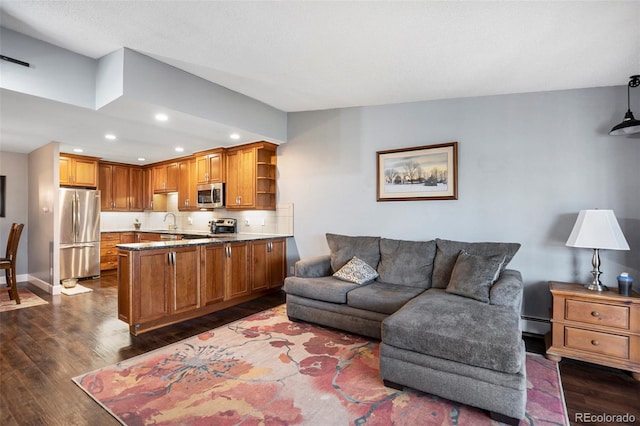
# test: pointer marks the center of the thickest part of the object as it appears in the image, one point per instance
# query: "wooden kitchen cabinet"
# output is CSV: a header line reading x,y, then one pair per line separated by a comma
x,y
251,177
268,268
598,327
78,171
165,177
213,261
187,191
210,166
166,284
108,249
225,272
120,187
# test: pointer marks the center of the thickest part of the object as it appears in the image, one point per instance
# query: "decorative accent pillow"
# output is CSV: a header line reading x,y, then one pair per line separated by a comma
x,y
344,247
356,271
447,254
474,275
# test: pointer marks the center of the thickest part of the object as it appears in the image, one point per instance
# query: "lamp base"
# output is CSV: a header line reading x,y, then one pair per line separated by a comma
x,y
596,285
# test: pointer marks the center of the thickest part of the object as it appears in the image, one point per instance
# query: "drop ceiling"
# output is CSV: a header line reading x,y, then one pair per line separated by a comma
x,y
301,56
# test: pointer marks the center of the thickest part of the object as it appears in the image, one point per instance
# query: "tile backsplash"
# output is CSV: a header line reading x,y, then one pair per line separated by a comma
x,y
279,221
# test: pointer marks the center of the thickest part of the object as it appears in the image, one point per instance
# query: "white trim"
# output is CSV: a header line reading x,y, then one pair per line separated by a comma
x,y
42,285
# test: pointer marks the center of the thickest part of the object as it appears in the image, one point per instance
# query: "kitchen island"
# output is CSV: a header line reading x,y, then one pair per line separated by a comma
x,y
166,282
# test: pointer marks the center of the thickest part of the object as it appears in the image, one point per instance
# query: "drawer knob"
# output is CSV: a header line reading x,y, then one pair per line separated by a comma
x,y
595,314
595,342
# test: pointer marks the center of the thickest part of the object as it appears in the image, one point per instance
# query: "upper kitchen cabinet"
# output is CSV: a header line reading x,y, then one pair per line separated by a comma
x,y
251,177
78,171
187,191
210,166
121,187
165,177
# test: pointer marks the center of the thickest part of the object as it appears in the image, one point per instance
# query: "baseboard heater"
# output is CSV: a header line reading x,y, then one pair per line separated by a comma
x,y
535,325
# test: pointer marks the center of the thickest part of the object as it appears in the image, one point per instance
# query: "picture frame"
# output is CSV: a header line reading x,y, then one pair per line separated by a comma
x,y
419,173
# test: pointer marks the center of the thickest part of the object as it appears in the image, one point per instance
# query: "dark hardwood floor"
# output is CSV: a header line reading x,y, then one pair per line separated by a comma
x,y
43,347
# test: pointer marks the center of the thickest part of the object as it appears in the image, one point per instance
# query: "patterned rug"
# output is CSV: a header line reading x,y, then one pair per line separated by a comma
x,y
266,370
27,300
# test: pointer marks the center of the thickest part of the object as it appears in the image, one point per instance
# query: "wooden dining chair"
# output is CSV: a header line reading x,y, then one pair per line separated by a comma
x,y
8,263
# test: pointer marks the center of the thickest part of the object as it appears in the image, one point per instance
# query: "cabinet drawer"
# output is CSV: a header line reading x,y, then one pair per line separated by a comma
x,y
596,342
110,236
597,313
108,251
107,265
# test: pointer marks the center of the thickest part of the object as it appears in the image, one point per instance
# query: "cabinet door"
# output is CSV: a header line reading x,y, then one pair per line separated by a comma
x,y
183,185
212,272
136,187
65,171
147,189
241,179
151,296
85,172
237,270
216,167
105,185
277,262
185,262
120,189
202,169
159,176
260,265
172,177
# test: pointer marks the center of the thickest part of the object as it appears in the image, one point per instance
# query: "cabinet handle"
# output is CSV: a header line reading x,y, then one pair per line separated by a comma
x,y
595,314
595,342
173,257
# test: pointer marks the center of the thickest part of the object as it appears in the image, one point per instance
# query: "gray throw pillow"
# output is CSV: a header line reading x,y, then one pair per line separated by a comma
x,y
474,275
343,248
356,271
407,263
447,254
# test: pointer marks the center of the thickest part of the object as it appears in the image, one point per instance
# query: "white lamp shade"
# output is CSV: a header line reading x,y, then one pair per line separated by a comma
x,y
597,229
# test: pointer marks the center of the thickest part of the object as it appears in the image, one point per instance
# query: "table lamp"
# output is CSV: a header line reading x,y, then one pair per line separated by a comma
x,y
597,229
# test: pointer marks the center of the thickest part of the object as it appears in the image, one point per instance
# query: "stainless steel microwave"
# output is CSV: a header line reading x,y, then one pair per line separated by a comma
x,y
210,195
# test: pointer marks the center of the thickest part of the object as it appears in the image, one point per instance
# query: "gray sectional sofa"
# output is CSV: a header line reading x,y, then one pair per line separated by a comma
x,y
447,314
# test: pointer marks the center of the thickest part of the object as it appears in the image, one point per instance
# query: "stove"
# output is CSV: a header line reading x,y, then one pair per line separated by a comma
x,y
224,226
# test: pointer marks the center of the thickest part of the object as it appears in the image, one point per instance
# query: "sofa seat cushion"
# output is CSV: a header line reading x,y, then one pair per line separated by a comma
x,y
381,297
459,329
328,289
407,263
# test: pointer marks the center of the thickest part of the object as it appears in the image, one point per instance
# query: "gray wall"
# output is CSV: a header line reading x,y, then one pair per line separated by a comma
x,y
15,167
527,164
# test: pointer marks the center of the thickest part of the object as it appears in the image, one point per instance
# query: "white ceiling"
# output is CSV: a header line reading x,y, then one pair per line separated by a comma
x,y
309,55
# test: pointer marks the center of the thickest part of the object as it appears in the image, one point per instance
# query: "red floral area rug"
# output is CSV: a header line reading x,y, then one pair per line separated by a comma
x,y
266,370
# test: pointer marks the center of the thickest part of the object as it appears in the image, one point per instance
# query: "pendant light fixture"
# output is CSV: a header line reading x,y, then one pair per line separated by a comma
x,y
629,125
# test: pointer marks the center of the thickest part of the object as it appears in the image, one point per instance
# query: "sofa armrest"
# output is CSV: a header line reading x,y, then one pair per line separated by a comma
x,y
313,267
507,290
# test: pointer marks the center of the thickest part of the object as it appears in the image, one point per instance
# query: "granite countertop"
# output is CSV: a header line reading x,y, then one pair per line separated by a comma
x,y
162,231
217,239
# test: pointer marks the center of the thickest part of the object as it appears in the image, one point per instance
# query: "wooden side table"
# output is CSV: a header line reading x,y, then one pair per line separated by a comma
x,y
598,327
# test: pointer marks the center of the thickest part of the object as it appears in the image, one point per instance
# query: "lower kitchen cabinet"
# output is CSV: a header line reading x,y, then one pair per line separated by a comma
x,y
163,286
268,263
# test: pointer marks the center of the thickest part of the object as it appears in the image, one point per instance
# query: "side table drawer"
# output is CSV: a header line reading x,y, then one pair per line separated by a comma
x,y
596,342
597,313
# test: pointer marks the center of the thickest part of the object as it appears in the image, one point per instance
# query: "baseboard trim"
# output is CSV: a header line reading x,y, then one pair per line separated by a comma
x,y
42,285
535,325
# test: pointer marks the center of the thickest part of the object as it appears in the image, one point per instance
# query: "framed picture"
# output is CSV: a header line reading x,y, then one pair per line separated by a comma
x,y
419,173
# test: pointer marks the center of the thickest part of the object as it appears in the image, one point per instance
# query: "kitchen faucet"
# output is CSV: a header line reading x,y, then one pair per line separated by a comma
x,y
174,226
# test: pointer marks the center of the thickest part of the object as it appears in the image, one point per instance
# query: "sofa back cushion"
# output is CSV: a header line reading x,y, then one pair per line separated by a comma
x,y
343,248
407,263
447,254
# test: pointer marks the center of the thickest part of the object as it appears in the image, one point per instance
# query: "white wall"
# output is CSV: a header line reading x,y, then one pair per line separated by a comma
x,y
44,264
15,167
527,164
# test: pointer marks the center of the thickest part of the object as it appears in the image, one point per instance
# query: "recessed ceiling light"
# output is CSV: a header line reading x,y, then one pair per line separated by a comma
x,y
179,149
234,136
142,159
77,150
110,136
162,117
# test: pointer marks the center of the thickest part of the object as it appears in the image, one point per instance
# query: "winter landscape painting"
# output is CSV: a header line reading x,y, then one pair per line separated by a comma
x,y
418,173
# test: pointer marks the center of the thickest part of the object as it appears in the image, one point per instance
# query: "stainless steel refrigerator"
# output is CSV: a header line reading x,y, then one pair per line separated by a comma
x,y
79,233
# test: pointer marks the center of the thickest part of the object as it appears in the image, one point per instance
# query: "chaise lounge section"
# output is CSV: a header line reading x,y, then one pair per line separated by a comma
x,y
447,314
